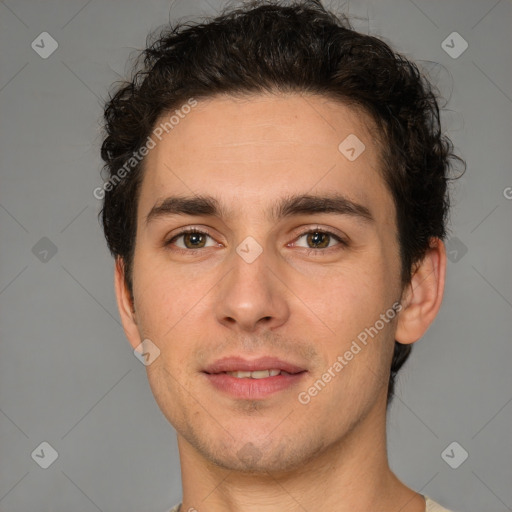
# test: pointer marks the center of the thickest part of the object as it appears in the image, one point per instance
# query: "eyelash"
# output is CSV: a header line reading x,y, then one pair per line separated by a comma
x,y
185,231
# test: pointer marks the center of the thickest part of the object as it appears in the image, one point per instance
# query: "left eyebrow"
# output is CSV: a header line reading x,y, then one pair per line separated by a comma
x,y
312,204
303,204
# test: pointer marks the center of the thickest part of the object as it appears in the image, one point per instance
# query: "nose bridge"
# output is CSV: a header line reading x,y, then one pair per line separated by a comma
x,y
251,295
251,264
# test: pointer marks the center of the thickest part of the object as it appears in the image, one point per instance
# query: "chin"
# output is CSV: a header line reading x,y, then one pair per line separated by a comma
x,y
251,466
247,455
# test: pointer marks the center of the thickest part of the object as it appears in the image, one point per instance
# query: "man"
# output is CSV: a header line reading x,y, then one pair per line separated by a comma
x,y
276,203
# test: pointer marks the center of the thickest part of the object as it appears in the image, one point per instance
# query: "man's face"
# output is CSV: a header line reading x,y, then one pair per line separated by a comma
x,y
257,285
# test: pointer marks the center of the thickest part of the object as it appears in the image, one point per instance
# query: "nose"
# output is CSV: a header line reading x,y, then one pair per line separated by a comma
x,y
251,297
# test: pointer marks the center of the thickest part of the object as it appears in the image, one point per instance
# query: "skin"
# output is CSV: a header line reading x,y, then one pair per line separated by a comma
x,y
329,454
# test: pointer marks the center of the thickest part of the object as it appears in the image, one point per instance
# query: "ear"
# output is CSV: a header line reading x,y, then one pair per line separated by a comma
x,y
422,297
125,306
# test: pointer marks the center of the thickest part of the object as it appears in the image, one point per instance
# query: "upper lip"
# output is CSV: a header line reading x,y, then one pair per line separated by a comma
x,y
236,363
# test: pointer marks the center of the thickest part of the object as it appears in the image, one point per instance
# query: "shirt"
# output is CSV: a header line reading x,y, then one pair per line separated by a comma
x,y
432,506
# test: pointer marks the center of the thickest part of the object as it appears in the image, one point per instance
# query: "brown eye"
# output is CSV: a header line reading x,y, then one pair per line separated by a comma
x,y
190,239
318,239
194,240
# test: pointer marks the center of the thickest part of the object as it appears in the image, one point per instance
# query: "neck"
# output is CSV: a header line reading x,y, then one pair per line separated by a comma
x,y
350,475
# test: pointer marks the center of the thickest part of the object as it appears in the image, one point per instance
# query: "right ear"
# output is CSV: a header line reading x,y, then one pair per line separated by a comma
x,y
125,306
423,295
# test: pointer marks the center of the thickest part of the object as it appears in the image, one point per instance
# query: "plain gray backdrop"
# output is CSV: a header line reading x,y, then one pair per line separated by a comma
x,y
68,376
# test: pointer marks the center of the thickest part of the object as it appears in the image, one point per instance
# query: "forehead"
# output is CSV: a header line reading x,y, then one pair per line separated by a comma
x,y
252,150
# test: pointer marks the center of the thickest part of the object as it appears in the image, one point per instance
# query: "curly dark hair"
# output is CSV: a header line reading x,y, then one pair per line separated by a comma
x,y
300,47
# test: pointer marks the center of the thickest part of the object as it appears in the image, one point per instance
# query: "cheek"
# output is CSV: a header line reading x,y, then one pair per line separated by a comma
x,y
351,304
162,294
356,353
168,386
350,298
172,307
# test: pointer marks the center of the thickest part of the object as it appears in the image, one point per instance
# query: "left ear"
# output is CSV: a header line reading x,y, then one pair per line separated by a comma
x,y
422,297
125,305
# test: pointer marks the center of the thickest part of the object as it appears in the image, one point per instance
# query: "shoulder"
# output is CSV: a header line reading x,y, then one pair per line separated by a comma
x,y
176,508
432,506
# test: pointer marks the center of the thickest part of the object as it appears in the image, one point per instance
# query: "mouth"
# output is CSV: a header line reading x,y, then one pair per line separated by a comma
x,y
253,379
238,365
259,374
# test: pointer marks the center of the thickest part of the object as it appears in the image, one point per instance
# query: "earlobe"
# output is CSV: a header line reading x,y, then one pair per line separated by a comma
x,y
424,294
125,306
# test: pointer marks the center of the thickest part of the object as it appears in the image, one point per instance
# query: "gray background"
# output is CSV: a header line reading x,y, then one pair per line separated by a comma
x,y
67,374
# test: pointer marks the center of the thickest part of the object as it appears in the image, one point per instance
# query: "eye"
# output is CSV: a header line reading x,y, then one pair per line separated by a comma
x,y
318,239
192,238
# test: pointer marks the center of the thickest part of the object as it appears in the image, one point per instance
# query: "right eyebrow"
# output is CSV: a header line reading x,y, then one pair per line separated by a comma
x,y
176,205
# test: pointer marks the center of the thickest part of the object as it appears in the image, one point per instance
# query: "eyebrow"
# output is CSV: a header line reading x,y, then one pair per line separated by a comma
x,y
205,205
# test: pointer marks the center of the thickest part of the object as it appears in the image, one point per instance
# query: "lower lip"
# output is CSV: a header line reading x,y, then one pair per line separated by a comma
x,y
253,389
